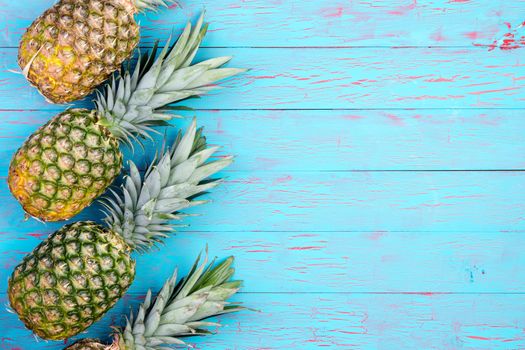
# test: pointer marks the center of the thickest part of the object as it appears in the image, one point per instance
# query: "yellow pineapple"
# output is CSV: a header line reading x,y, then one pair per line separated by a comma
x,y
73,158
75,45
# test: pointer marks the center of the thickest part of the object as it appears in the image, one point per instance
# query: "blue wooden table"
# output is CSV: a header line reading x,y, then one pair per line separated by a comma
x,y
378,195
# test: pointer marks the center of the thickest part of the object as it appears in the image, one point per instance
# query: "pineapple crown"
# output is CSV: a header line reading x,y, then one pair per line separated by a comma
x,y
143,212
150,5
181,308
135,100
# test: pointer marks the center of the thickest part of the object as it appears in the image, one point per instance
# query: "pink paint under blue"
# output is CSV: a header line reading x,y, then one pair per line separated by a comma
x,y
376,201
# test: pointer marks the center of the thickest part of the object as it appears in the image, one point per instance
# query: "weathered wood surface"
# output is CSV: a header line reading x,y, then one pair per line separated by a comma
x,y
356,201
377,200
339,140
343,321
373,78
278,23
334,262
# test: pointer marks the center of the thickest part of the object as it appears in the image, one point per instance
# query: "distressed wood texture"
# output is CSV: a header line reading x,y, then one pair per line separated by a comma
x,y
341,79
344,321
256,23
377,198
334,262
353,201
339,140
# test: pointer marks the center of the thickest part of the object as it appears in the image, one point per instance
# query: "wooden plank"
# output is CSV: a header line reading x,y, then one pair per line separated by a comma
x,y
339,140
340,79
355,201
330,262
315,23
341,321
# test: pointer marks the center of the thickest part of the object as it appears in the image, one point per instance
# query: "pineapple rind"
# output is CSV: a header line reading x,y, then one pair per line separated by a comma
x,y
64,166
87,344
74,46
127,109
71,280
180,309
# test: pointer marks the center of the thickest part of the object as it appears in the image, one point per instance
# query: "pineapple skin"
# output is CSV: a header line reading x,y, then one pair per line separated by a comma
x,y
64,165
87,344
71,280
94,344
75,45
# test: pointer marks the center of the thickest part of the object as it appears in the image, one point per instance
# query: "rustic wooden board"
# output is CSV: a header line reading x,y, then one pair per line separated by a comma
x,y
339,140
333,262
257,23
344,321
377,200
355,201
374,78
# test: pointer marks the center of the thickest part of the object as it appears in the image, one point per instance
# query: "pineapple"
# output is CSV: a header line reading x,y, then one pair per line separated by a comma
x,y
73,158
179,310
79,272
74,46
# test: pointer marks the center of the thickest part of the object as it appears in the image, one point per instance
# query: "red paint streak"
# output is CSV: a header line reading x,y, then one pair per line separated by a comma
x,y
219,126
472,35
327,81
427,294
306,248
435,205
348,332
512,39
490,91
375,236
480,338
333,13
37,235
259,251
459,1
251,180
305,235
442,80
283,179
395,119
438,36
480,84
265,76
404,10
413,77
428,97
352,117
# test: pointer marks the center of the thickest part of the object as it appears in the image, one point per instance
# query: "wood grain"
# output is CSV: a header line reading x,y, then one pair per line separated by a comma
x,y
343,321
377,199
333,262
337,140
277,23
356,201
375,78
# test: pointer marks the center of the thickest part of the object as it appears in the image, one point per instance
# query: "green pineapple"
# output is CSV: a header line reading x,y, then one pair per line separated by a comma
x,y
179,310
72,159
79,272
